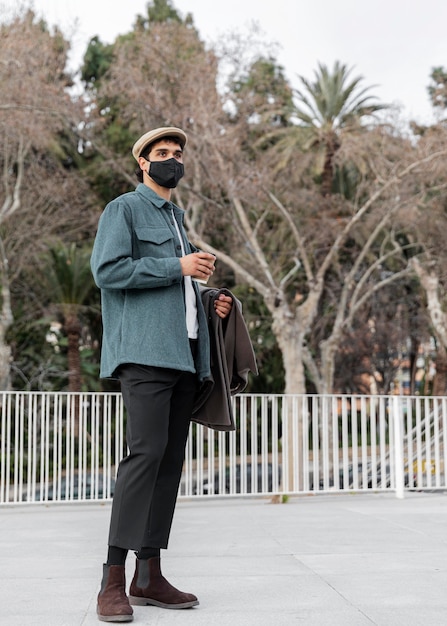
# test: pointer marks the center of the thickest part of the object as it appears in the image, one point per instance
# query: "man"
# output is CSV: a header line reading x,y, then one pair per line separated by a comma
x,y
155,341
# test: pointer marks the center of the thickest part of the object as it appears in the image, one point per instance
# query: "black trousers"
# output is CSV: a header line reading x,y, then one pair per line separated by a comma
x,y
159,406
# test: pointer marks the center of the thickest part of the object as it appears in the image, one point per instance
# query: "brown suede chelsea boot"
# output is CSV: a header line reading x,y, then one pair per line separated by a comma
x,y
150,587
113,604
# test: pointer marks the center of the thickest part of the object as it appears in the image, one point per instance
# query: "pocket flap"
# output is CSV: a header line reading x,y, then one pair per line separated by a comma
x,y
153,235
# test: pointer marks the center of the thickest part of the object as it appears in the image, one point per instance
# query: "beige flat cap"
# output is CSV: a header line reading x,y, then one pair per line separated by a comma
x,y
158,133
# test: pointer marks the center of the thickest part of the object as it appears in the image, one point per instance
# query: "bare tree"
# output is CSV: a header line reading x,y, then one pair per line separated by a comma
x,y
40,192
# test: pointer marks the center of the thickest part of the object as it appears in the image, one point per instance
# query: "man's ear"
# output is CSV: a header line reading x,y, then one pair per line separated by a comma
x,y
142,162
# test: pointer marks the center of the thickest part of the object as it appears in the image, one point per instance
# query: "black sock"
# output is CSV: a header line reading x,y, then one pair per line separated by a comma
x,y
116,555
148,553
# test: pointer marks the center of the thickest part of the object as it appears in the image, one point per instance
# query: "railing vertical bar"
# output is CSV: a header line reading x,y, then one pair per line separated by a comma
x,y
200,457
289,462
335,444
373,441
13,468
417,461
46,418
104,442
68,417
211,461
324,438
275,463
19,450
91,479
355,443
254,431
79,445
34,445
398,446
110,447
101,446
315,442
435,440
427,441
4,458
241,403
345,406
443,444
18,411
221,460
364,442
40,425
233,461
301,444
384,422
92,447
409,442
62,422
268,404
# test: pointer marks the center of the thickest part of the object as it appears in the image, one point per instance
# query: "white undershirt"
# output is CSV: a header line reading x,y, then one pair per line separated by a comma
x,y
192,323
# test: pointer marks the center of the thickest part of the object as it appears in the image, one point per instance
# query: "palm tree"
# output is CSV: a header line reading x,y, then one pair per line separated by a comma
x,y
69,284
324,109
330,105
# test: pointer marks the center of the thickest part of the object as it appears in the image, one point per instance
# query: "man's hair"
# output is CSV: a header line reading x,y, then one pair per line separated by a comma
x,y
147,150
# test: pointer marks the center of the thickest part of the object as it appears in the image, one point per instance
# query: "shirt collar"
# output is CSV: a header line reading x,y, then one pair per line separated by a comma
x,y
150,195
154,198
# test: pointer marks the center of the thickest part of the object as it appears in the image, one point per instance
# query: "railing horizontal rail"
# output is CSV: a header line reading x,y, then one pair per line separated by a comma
x,y
66,447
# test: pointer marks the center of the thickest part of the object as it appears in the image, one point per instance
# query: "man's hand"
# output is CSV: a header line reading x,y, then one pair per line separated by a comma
x,y
222,305
198,265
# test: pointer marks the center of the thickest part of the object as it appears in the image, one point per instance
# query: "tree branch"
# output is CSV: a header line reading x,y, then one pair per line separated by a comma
x,y
253,242
361,301
299,240
375,196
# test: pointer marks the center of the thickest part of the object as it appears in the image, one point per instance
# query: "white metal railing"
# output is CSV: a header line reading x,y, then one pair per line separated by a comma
x,y
67,447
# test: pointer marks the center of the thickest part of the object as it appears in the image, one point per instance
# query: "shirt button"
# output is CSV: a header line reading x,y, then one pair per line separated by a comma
x,y
179,247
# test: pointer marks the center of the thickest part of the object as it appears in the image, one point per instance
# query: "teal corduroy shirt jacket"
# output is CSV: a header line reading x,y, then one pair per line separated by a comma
x,y
135,262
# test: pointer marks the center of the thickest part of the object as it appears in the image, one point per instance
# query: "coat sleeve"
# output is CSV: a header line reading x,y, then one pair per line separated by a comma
x,y
113,263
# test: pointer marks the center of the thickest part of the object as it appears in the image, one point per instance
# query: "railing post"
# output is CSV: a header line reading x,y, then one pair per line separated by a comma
x,y
398,448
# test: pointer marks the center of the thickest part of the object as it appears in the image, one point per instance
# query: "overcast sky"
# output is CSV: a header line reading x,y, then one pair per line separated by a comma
x,y
393,44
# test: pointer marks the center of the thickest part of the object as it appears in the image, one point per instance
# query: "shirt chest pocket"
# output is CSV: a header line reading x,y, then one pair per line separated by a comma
x,y
155,242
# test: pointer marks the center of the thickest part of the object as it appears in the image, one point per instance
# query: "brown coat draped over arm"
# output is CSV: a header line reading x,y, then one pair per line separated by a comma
x,y
232,358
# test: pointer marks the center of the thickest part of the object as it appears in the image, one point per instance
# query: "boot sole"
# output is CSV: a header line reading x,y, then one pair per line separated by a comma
x,y
115,618
137,601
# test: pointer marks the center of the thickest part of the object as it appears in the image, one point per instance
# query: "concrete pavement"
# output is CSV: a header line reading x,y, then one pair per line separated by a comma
x,y
338,560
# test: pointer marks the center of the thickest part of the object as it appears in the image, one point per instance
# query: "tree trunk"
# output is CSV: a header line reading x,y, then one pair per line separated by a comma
x,y
440,379
430,283
73,330
290,340
74,361
329,350
291,349
5,362
6,319
327,176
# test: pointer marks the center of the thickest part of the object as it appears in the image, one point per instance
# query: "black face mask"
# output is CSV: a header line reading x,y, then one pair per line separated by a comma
x,y
166,173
